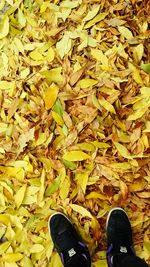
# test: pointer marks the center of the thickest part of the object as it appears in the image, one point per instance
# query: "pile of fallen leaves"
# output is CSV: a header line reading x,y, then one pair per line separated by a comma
x,y
74,123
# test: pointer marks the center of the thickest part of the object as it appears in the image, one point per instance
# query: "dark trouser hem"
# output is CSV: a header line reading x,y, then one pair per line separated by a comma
x,y
78,261
129,261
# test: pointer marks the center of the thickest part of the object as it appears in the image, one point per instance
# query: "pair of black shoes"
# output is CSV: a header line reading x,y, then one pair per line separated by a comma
x,y
74,252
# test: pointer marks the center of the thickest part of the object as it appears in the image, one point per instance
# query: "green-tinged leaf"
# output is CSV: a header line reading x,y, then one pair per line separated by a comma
x,y
69,164
125,32
123,150
121,165
64,45
52,188
58,107
146,67
100,144
75,156
21,18
53,75
86,146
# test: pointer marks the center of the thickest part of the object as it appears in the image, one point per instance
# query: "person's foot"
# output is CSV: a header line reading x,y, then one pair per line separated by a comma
x,y
119,236
67,241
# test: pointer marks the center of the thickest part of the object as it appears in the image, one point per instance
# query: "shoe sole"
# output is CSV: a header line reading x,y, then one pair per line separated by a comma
x,y
110,212
56,213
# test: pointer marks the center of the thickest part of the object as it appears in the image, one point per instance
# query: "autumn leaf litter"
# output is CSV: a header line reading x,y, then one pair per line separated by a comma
x,y
74,123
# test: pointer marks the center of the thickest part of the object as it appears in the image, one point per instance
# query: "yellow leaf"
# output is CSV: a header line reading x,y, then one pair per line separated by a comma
x,y
24,73
87,83
4,27
31,195
4,219
57,118
123,151
100,263
121,165
64,188
27,262
20,195
19,45
100,56
4,85
82,180
36,55
125,32
100,144
81,210
75,156
21,18
24,138
4,246
97,19
137,114
96,195
135,73
50,96
105,104
86,146
12,257
138,52
53,75
135,187
50,55
36,248
64,45
8,172
92,13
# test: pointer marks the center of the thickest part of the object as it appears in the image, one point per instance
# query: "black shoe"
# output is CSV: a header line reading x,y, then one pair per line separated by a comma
x,y
119,236
67,242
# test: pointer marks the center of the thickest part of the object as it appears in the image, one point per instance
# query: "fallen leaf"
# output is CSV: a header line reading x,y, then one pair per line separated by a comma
x,y
105,104
12,257
4,27
20,196
75,156
81,210
85,83
50,96
125,32
97,19
92,13
123,150
146,67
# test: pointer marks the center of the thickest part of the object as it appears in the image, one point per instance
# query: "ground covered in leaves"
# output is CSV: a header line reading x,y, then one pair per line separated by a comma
x,y
74,123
